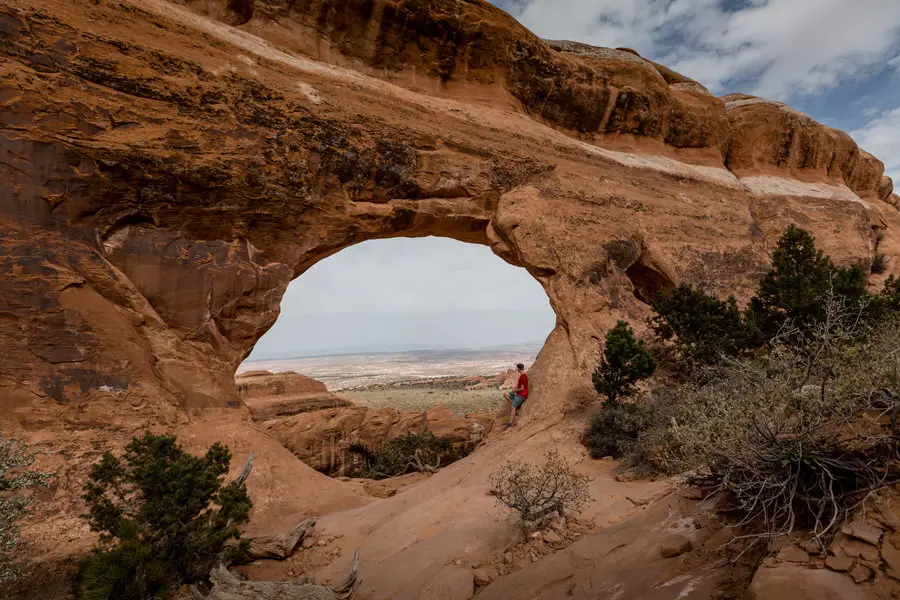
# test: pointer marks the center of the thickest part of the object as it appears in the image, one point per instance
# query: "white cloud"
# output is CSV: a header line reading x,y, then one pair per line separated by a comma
x,y
881,137
783,48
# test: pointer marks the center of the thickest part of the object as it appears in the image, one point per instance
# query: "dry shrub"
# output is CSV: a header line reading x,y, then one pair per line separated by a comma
x,y
15,480
535,492
797,438
413,452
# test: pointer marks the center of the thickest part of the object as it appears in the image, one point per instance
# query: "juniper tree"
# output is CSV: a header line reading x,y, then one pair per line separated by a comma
x,y
624,362
704,328
165,517
801,279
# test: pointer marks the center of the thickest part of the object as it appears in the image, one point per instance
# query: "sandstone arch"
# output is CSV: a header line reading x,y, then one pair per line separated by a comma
x,y
164,175
175,188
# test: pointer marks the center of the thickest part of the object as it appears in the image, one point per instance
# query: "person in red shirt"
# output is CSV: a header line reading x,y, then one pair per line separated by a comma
x,y
519,395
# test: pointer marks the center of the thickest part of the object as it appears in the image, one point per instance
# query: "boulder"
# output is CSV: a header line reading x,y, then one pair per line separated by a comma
x,y
864,531
890,554
798,583
675,545
484,575
451,583
843,545
793,554
841,564
552,537
861,573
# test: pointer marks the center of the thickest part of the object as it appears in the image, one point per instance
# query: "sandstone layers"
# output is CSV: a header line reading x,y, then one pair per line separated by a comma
x,y
167,169
270,395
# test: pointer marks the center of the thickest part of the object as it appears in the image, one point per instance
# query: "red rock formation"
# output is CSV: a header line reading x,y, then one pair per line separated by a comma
x,y
164,176
270,395
199,179
321,439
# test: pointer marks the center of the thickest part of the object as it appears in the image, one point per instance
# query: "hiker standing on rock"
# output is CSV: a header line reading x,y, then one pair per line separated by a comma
x,y
519,395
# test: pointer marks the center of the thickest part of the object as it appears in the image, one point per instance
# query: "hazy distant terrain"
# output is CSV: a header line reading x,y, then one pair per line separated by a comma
x,y
357,371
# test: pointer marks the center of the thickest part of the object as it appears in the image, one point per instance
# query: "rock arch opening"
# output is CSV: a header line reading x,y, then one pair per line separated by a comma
x,y
391,312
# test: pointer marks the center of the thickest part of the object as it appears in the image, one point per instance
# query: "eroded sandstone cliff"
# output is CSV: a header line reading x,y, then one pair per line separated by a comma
x,y
203,168
167,169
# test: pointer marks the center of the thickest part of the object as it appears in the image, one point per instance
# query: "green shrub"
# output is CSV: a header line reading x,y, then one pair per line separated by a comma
x,y
879,264
130,569
624,362
889,298
615,430
15,458
703,327
796,287
160,498
794,436
423,452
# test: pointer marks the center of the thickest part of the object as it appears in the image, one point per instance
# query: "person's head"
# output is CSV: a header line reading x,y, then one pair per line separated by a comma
x,y
520,367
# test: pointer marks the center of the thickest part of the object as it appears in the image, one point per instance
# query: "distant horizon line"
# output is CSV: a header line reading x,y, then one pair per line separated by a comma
x,y
406,311
337,352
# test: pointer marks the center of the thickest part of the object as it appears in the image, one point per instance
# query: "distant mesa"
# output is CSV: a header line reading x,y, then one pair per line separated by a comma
x,y
270,395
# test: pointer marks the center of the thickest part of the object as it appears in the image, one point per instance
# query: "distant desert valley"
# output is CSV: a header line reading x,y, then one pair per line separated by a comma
x,y
461,380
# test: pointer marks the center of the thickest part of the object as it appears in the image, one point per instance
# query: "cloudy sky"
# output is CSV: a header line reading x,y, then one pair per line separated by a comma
x,y
408,294
837,60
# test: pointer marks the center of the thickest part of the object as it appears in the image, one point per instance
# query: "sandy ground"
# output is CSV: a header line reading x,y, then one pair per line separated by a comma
x,y
461,402
405,540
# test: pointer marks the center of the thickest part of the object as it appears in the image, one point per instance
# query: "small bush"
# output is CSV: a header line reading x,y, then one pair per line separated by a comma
x,y
889,299
412,452
879,263
703,327
795,437
624,362
165,517
535,492
15,458
615,430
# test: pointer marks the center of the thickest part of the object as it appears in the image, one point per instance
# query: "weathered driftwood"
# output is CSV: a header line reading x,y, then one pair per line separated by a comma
x,y
245,473
418,463
226,586
279,546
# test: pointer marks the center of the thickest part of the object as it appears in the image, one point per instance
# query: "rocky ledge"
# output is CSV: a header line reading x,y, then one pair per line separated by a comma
x,y
270,395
